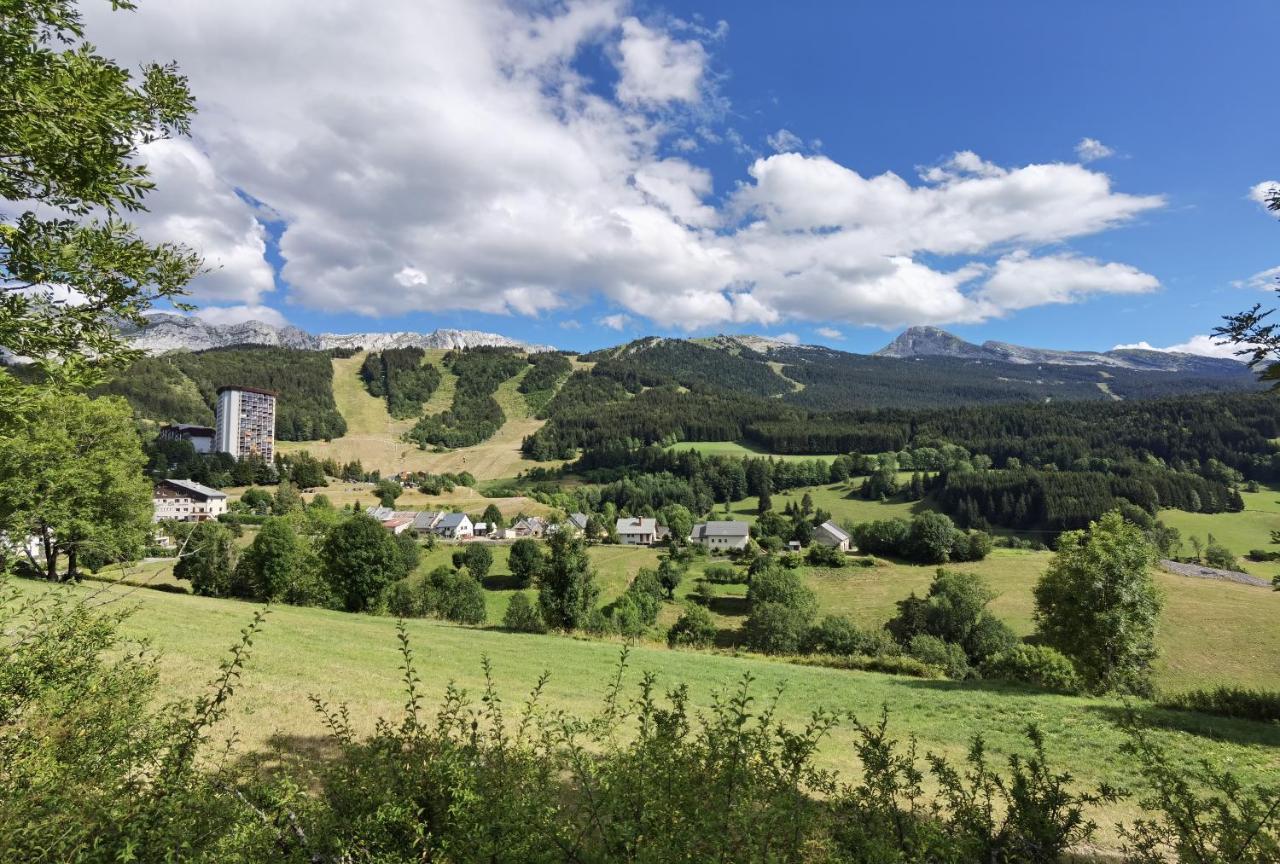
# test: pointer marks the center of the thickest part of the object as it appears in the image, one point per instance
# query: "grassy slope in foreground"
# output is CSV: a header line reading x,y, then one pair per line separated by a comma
x,y
353,659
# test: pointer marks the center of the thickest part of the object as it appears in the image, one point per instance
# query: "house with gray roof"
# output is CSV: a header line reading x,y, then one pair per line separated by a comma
x,y
723,535
426,520
831,534
186,501
455,526
634,531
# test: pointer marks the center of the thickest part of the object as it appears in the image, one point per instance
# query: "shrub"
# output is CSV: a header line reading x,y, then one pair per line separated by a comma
x,y
523,616
526,561
930,538
1238,702
693,629
955,611
971,546
784,587
777,628
834,634
725,574
478,559
947,656
1037,665
821,555
702,593
452,595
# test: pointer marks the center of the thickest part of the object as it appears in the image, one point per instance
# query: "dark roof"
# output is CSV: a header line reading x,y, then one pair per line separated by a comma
x,y
193,487
273,394
723,529
190,428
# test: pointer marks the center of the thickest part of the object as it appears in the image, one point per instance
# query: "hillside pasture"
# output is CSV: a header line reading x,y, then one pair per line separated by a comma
x,y
353,660
1249,529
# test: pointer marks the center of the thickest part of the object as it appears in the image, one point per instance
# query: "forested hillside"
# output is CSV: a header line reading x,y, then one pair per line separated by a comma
x,y
182,387
474,415
399,376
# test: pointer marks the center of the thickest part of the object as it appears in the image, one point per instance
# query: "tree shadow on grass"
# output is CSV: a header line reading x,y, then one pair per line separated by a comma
x,y
1208,726
500,582
731,607
1229,730
728,637
291,755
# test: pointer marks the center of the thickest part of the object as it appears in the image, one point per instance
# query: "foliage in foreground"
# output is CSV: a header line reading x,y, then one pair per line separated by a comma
x,y
90,770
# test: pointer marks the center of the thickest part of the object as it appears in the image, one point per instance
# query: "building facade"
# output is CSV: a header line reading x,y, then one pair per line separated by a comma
x,y
201,437
636,532
186,501
246,422
724,535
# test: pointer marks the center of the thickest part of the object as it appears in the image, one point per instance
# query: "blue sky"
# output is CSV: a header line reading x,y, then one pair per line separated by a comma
x,y
380,213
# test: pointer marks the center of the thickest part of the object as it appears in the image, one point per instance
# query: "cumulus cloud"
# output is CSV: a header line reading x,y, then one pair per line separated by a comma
x,y
617,321
829,333
1204,345
655,68
787,338
454,155
1091,149
1265,280
222,315
1019,280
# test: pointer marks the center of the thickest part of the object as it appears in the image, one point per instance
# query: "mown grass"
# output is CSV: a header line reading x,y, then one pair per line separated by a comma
x,y
353,659
1239,532
377,440
737,448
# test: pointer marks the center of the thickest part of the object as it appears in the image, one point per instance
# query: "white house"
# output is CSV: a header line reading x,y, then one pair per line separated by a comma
x,y
186,501
637,532
831,534
455,526
427,520
398,524
723,535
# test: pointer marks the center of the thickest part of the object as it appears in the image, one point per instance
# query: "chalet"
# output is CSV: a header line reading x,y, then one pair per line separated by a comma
x,y
454,526
723,535
186,501
579,521
831,534
531,526
636,531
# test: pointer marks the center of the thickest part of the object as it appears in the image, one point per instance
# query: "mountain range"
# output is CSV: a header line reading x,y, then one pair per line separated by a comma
x,y
932,342
167,332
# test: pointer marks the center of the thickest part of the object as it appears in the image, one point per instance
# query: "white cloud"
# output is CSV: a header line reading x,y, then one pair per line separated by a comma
x,y
223,315
1205,346
571,324
1263,192
1019,281
192,205
785,141
617,321
1091,149
452,156
655,68
1265,280
788,338
829,333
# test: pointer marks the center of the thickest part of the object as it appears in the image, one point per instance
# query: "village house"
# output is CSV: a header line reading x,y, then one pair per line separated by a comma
x,y
398,524
831,534
186,501
455,526
636,531
530,526
427,520
724,535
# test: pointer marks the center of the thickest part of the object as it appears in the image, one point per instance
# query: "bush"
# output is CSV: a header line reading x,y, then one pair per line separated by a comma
x,y
777,628
784,587
1237,702
523,616
452,595
955,611
1037,665
526,561
693,629
725,574
947,656
821,555
834,634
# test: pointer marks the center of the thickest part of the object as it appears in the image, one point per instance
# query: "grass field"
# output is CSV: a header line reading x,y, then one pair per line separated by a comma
x,y
353,659
735,448
376,439
1239,532
341,493
839,499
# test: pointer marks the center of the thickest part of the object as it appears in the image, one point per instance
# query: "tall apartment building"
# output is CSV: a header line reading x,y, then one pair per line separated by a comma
x,y
246,422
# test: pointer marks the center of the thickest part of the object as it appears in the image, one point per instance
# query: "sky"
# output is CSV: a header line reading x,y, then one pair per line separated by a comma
x,y
1080,175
